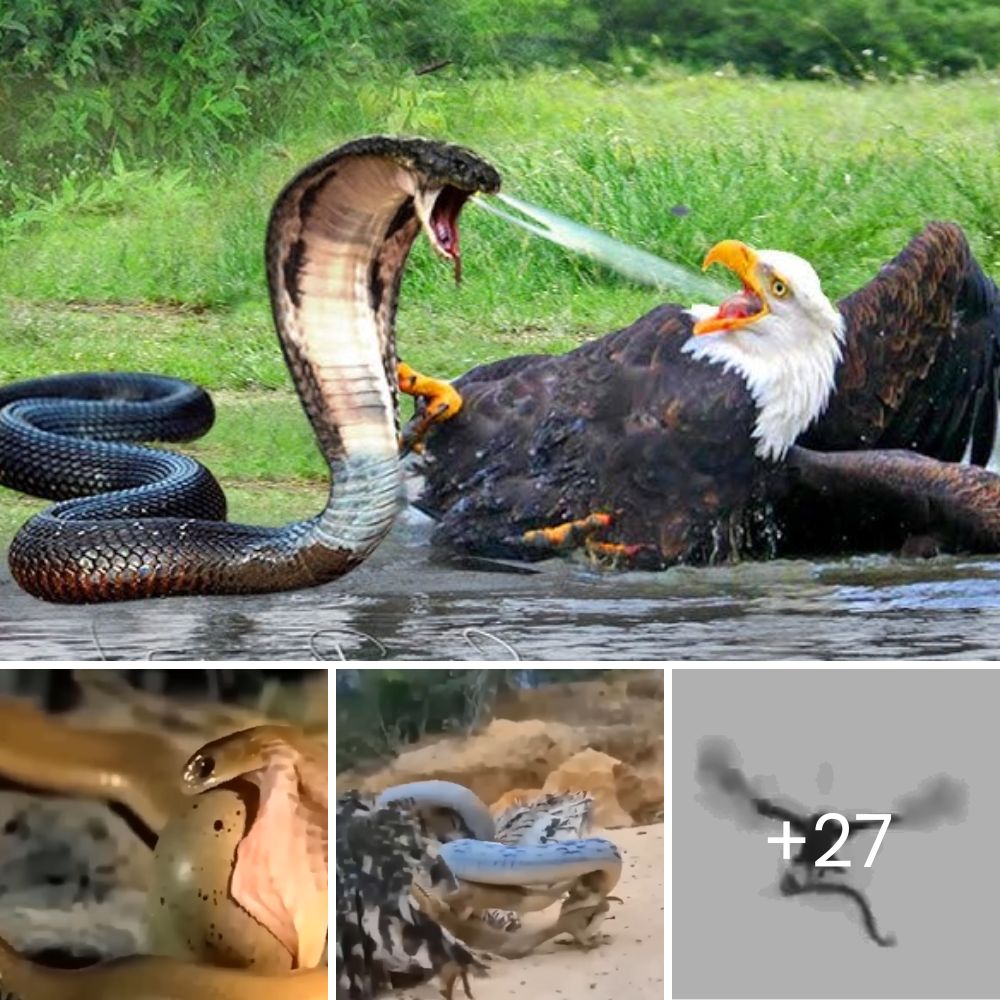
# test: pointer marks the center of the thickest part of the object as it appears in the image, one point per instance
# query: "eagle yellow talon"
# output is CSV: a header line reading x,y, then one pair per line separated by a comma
x,y
441,402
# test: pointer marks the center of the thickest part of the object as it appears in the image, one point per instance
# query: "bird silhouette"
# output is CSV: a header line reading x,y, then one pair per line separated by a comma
x,y
819,839
939,798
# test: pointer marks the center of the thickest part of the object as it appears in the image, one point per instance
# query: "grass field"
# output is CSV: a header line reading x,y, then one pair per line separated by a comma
x,y
158,266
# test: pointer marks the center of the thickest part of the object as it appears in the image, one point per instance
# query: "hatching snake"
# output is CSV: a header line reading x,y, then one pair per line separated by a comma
x,y
261,905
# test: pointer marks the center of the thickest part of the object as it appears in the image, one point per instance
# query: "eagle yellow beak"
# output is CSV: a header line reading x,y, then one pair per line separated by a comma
x,y
746,306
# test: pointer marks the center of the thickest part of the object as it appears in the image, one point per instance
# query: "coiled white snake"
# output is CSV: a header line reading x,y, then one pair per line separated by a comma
x,y
414,884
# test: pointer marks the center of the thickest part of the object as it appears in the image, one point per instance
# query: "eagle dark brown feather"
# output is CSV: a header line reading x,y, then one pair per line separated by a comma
x,y
893,500
921,361
627,425
630,425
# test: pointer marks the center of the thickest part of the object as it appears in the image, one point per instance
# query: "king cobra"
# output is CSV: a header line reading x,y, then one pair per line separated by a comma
x,y
238,901
419,871
153,524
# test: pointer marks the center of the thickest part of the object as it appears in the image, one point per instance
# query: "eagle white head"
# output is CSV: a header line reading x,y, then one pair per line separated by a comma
x,y
780,332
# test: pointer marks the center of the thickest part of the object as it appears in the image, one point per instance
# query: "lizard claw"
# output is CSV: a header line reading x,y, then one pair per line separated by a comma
x,y
448,974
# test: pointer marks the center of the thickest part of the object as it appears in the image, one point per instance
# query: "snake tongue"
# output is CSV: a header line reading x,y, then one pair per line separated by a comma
x,y
441,222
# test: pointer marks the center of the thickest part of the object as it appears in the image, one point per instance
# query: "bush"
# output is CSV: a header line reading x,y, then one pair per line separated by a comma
x,y
82,78
848,38
379,712
87,74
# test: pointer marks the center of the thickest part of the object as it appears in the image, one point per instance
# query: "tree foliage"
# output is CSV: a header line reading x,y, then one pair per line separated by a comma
x,y
846,38
379,711
96,73
82,78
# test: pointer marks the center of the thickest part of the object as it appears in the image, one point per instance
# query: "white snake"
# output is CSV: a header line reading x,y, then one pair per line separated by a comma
x,y
415,881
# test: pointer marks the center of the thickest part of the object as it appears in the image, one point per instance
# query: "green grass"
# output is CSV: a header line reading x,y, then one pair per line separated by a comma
x,y
158,266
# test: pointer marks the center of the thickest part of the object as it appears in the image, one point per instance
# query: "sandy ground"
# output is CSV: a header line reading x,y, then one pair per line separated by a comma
x,y
628,966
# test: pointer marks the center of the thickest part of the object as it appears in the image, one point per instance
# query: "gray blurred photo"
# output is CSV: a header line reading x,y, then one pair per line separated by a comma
x,y
763,904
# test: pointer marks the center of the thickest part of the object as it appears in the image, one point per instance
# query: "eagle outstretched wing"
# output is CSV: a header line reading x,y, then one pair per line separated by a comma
x,y
719,774
770,810
921,358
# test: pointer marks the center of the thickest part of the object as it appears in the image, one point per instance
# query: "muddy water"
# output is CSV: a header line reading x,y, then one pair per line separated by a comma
x,y
401,605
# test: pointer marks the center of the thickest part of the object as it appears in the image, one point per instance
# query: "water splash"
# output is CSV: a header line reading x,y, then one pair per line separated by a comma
x,y
631,262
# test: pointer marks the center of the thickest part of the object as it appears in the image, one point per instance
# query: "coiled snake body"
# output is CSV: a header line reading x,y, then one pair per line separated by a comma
x,y
418,872
337,240
238,900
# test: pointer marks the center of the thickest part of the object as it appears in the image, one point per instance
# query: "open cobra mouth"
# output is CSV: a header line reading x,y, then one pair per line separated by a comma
x,y
442,223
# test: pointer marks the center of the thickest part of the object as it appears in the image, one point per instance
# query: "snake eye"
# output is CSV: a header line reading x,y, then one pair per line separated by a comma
x,y
778,288
203,767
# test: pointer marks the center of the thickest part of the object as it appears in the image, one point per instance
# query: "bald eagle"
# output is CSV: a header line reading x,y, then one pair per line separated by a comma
x,y
775,423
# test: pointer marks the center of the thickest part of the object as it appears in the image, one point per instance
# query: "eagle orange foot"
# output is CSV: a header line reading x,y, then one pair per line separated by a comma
x,y
568,535
580,533
441,402
616,555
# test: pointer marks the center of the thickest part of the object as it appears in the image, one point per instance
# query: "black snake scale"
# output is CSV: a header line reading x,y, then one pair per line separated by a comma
x,y
337,242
